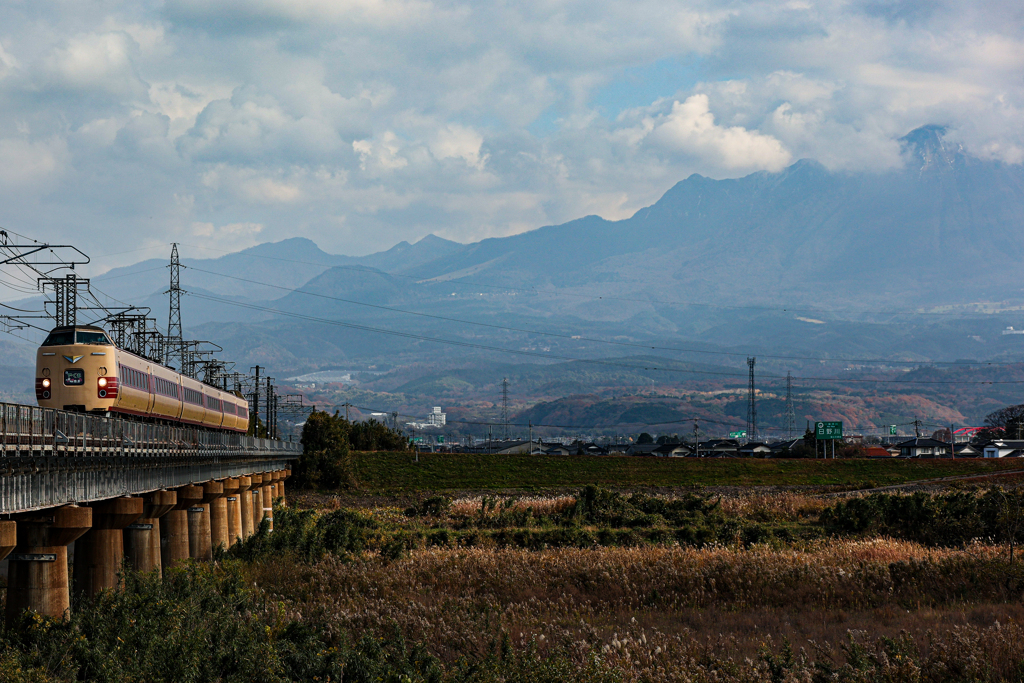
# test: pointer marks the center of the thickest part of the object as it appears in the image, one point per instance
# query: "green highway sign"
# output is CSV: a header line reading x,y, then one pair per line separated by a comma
x,y
738,435
892,430
440,439
824,431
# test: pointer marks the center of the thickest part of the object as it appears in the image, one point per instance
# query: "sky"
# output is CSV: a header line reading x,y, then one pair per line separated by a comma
x,y
221,124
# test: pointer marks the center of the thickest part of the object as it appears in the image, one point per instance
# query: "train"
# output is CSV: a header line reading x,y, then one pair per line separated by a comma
x,y
79,368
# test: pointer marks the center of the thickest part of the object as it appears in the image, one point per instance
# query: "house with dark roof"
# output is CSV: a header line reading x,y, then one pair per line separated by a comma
x,y
755,449
673,450
924,448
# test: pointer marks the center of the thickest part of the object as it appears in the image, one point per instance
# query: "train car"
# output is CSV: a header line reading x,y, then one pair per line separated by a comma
x,y
79,368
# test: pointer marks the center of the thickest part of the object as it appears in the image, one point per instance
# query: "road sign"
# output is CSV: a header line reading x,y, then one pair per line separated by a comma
x,y
892,430
738,435
417,439
824,431
440,439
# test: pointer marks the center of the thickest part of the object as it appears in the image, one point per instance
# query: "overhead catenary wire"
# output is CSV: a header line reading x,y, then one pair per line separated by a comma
x,y
551,356
553,292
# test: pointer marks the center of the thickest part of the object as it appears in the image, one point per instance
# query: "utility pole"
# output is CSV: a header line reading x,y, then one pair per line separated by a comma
x,y
531,437
790,412
917,428
174,337
751,404
696,439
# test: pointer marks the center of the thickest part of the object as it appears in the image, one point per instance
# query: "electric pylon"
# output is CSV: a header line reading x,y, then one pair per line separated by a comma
x,y
174,348
751,404
790,412
504,410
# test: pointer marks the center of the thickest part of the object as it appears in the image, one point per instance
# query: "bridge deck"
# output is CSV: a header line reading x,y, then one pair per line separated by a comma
x,y
54,457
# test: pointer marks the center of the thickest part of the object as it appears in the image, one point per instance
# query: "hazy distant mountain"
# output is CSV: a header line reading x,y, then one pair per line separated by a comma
x,y
945,228
289,263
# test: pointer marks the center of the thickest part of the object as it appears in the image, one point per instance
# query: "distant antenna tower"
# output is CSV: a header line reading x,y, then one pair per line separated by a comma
x,y
751,404
790,413
175,350
504,410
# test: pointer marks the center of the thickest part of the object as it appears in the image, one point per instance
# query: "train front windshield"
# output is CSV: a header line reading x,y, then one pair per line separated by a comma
x,y
69,337
84,337
62,338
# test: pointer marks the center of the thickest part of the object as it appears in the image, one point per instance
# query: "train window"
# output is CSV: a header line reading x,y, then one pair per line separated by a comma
x,y
62,338
84,337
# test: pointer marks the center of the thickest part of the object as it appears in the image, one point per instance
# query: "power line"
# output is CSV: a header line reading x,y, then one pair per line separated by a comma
x,y
296,290
550,356
552,292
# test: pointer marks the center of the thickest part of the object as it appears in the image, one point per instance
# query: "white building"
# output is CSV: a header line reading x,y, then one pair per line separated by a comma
x,y
436,418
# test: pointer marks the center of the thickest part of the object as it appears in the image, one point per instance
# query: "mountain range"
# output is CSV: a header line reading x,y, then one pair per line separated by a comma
x,y
915,263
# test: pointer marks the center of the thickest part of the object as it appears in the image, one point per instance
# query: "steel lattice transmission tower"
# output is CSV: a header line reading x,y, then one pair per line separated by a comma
x,y
790,412
174,349
751,404
504,410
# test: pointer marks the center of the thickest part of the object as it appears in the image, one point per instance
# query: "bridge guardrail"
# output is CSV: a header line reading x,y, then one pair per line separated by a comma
x,y
53,457
31,430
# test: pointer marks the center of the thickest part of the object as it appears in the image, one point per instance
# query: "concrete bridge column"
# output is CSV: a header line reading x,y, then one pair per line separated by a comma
x,y
219,517
99,552
245,506
174,546
268,498
280,487
257,501
8,537
37,578
233,491
142,538
200,538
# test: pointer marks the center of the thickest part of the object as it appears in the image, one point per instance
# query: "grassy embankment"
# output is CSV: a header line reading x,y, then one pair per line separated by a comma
x,y
396,472
595,586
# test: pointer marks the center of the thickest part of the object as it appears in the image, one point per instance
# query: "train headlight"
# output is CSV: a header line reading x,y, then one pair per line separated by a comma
x,y
102,381
46,383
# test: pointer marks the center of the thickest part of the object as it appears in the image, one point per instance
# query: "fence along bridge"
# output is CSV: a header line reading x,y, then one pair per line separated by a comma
x,y
117,489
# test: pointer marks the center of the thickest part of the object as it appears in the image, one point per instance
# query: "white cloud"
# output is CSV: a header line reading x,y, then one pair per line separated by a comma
x,y
388,119
458,142
690,128
380,155
31,165
96,62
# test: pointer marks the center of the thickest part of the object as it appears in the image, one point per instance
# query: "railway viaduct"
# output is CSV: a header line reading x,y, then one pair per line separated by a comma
x,y
121,491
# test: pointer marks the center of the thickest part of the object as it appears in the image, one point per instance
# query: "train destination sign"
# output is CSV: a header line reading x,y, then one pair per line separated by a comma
x,y
825,431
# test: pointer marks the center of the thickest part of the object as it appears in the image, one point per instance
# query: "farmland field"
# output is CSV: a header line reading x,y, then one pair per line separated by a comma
x,y
627,584
441,471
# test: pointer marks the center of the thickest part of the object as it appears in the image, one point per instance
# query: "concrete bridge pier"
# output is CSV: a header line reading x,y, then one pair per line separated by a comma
x,y
234,497
257,501
268,498
100,551
174,546
219,515
200,538
37,578
8,537
280,487
142,538
245,506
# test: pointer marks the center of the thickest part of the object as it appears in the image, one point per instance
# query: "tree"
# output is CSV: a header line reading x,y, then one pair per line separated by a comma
x,y
645,438
1005,423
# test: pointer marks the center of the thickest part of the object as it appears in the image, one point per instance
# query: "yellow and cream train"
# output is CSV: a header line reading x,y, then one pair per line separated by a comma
x,y
79,368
